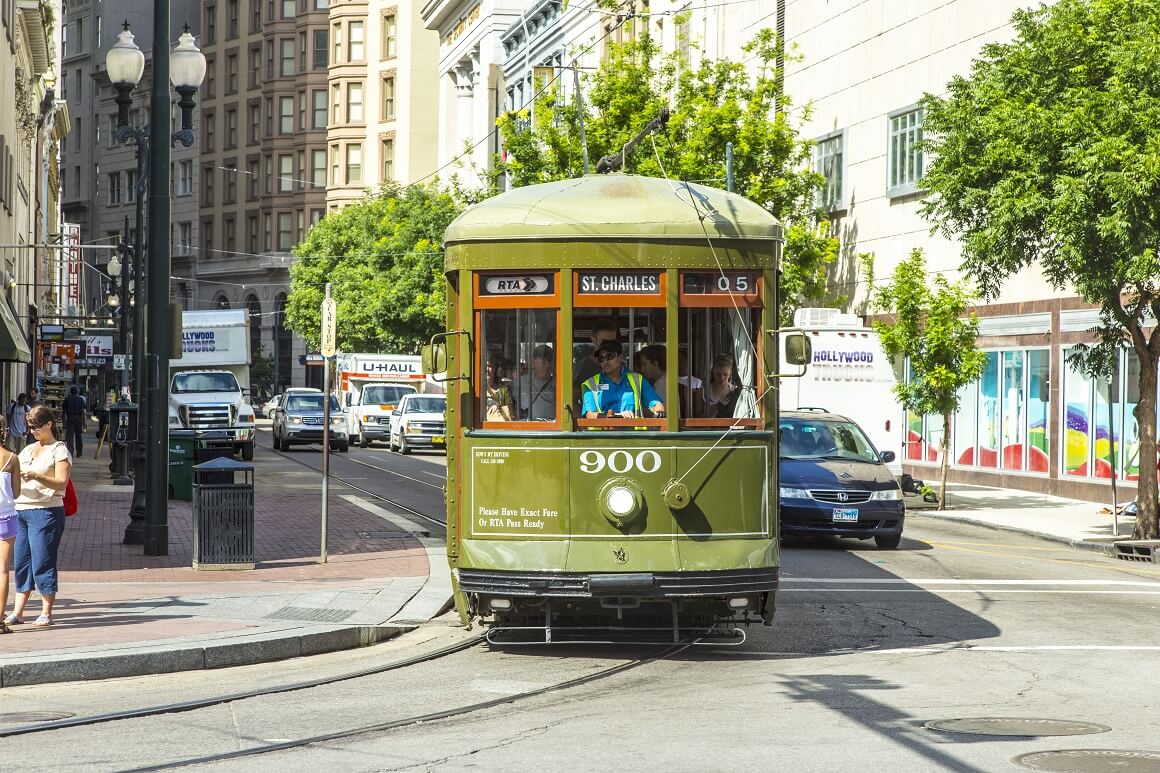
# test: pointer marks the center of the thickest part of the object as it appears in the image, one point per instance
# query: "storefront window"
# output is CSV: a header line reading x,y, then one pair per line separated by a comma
x,y
1014,411
1077,421
987,448
1038,397
1130,436
966,425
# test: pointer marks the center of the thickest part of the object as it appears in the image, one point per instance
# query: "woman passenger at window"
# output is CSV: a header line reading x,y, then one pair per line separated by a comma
x,y
722,392
499,398
538,393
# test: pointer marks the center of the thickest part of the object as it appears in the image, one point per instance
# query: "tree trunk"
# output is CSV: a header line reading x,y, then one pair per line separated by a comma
x,y
1145,412
945,454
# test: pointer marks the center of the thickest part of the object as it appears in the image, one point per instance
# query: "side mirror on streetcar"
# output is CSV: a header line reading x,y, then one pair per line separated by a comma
x,y
435,358
798,350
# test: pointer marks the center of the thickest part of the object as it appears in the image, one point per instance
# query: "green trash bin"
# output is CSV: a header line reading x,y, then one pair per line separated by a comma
x,y
182,449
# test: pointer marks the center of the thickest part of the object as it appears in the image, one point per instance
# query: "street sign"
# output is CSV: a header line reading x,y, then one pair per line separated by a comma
x,y
329,317
119,362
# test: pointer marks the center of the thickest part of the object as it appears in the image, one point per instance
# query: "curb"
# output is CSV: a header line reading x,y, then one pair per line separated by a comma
x,y
193,656
1095,547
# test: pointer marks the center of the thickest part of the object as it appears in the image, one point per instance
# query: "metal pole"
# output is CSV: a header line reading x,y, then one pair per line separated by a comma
x,y
325,446
729,166
580,113
123,331
157,323
135,532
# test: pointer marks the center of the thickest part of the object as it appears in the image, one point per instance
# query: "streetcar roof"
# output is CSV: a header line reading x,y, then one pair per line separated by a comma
x,y
620,206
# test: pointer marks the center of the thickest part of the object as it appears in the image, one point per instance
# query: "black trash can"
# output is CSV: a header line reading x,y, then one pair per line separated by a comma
x,y
122,435
223,515
213,444
182,450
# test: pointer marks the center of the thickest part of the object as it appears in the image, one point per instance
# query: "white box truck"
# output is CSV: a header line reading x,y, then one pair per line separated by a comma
x,y
369,388
850,375
209,383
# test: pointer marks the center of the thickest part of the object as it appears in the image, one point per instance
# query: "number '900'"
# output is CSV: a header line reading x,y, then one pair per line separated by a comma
x,y
620,462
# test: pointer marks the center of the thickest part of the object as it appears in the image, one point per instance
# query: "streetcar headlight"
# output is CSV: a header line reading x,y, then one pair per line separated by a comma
x,y
500,605
886,495
740,602
791,492
620,501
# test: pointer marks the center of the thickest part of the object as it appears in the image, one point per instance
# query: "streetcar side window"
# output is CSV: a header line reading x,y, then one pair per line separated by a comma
x,y
517,367
638,333
717,363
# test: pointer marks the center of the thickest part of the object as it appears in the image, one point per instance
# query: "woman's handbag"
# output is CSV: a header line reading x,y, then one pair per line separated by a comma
x,y
71,505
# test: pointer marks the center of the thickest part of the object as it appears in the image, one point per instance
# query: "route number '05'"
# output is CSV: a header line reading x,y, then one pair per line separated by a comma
x,y
620,462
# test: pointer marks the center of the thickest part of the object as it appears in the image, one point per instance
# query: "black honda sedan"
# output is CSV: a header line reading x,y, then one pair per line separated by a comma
x,y
834,482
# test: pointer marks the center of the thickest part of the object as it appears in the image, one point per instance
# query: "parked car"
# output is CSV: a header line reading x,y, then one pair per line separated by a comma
x,y
298,419
266,409
419,421
834,482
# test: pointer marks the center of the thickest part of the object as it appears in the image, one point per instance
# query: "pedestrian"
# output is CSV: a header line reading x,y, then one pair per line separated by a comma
x,y
9,490
17,422
34,399
45,467
74,422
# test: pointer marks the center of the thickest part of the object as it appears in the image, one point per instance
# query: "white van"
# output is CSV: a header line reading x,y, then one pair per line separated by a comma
x,y
850,375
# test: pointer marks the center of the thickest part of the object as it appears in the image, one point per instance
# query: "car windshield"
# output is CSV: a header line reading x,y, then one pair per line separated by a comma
x,y
426,405
824,439
307,403
185,383
389,394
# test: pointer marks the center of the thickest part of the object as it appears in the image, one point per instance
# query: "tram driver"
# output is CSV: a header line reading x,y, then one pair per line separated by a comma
x,y
616,392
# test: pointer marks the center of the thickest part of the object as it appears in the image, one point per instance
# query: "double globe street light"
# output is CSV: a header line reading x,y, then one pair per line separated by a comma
x,y
184,67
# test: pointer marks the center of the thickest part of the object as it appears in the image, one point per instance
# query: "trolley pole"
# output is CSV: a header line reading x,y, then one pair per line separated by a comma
x,y
327,348
729,166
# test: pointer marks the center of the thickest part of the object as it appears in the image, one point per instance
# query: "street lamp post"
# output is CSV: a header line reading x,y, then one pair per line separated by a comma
x,y
126,64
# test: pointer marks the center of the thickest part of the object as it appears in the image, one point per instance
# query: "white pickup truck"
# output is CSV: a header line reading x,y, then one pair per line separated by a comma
x,y
209,384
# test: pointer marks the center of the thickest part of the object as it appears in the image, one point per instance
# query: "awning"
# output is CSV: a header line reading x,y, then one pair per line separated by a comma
x,y
13,340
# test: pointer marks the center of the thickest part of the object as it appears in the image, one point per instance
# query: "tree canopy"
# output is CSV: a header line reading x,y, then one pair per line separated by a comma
x,y
709,105
1048,152
383,257
930,327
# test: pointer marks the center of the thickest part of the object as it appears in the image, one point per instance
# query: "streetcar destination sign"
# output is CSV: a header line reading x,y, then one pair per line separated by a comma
x,y
527,284
618,283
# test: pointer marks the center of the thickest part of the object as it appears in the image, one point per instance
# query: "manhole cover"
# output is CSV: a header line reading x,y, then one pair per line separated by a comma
x,y
1016,726
311,614
1092,761
28,717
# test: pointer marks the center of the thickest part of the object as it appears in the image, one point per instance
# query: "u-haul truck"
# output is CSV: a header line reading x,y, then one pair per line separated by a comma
x,y
850,375
371,385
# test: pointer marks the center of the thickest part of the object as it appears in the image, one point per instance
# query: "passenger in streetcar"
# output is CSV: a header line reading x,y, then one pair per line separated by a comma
x,y
586,366
616,392
538,393
723,391
692,396
498,398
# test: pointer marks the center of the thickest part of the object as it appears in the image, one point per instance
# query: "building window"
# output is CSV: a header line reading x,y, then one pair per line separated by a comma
x,y
335,166
269,59
255,66
354,163
207,177
255,15
321,5
268,175
318,100
252,234
300,170
255,123
185,237
232,11
207,133
336,104
354,46
209,88
285,173
207,250
318,169
320,44
210,25
231,180
285,231
289,7
253,176
828,163
302,111
286,115
269,116
390,37
388,98
114,187
388,160
302,51
315,217
231,128
336,42
229,236
905,156
185,177
287,56
268,232
98,34
232,74
130,186
354,103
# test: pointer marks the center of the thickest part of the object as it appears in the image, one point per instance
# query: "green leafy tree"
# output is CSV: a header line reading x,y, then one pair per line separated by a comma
x,y
710,105
383,257
932,329
1049,153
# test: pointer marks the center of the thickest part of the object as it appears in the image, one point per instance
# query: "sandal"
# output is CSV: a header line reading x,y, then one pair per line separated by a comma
x,y
4,628
43,621
13,620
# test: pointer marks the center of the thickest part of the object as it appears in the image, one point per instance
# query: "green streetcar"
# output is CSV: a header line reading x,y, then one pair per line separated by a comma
x,y
611,363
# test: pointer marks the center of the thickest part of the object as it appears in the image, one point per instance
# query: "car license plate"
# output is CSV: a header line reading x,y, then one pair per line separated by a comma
x,y
845,514
438,440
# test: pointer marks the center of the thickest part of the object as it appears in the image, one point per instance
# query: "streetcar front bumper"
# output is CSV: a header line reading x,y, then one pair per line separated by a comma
x,y
643,585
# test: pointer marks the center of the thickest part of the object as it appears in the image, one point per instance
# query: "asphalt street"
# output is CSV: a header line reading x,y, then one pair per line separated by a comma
x,y
867,646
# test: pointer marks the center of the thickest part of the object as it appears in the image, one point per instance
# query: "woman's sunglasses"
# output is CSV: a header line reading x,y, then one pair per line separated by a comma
x,y
606,357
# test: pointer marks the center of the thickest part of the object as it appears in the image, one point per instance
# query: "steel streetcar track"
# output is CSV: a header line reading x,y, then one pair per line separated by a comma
x,y
202,703
441,524
408,721
392,472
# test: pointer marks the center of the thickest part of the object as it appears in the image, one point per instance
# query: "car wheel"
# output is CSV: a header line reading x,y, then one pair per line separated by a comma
x,y
888,541
343,446
403,448
277,443
362,440
247,452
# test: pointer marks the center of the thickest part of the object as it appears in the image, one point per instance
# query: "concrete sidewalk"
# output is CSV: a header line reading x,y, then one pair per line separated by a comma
x,y
1073,522
120,613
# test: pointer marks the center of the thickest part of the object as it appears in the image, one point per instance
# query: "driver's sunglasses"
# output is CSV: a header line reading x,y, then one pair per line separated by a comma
x,y
606,357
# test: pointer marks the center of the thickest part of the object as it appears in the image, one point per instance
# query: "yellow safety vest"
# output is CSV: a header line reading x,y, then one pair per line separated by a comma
x,y
634,381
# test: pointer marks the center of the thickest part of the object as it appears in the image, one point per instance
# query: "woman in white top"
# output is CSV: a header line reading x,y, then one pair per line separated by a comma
x,y
45,467
9,490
